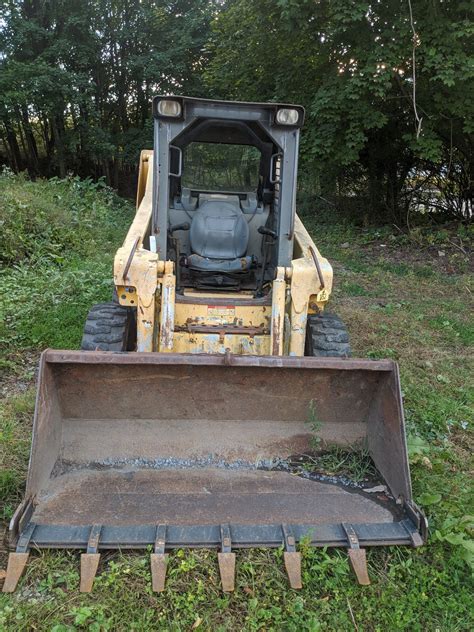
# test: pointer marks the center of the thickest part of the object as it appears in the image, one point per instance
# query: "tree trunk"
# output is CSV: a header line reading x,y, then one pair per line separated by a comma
x,y
58,141
33,165
15,152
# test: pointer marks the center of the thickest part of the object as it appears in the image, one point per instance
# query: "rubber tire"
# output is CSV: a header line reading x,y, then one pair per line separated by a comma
x,y
327,336
110,327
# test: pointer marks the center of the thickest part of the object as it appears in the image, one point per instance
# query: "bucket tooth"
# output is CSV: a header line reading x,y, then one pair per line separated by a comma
x,y
293,568
159,560
358,561
158,563
89,565
357,556
227,570
15,568
291,557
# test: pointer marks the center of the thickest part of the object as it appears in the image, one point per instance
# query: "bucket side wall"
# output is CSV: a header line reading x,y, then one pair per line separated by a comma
x,y
386,436
47,431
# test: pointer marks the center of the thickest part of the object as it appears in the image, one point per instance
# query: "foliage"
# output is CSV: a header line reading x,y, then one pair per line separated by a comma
x,y
405,310
351,65
58,237
49,222
78,77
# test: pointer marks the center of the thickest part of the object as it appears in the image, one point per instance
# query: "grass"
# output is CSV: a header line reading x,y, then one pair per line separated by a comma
x,y
57,251
401,301
354,464
15,414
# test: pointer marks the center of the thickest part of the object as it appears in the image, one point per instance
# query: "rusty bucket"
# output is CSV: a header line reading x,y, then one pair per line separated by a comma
x,y
169,450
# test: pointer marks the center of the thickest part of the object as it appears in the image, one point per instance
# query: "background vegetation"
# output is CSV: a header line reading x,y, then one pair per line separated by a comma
x,y
388,89
401,299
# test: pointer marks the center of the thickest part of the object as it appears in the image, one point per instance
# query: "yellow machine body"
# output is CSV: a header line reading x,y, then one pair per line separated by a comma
x,y
212,322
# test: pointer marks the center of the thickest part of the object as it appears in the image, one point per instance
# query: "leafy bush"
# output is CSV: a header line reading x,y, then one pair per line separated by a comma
x,y
50,221
59,239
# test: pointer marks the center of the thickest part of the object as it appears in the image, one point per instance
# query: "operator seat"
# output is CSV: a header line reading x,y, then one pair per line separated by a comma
x,y
219,236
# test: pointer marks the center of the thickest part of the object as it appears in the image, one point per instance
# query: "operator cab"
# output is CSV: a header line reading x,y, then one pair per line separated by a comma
x,y
220,186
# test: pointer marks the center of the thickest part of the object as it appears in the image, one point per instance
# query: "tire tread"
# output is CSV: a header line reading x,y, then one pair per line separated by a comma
x,y
327,336
109,327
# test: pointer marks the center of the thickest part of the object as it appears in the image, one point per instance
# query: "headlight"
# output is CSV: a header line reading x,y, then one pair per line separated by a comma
x,y
168,107
287,116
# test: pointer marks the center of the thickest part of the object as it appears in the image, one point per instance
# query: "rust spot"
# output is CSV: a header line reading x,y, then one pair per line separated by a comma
x,y
223,329
166,335
276,335
297,444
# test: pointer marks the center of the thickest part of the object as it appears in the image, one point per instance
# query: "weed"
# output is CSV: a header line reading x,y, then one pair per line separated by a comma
x,y
354,289
15,425
453,329
400,269
43,222
424,272
354,464
60,237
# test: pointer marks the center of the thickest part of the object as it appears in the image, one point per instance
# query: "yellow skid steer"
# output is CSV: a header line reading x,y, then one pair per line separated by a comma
x,y
212,371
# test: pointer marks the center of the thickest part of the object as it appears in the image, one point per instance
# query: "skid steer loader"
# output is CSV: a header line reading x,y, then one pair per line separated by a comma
x,y
177,423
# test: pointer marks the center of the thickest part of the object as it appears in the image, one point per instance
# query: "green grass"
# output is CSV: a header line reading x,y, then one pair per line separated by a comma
x,y
354,464
396,305
57,251
16,414
122,598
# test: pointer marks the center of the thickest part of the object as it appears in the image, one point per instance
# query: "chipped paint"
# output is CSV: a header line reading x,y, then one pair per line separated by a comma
x,y
297,331
185,342
213,314
168,291
278,312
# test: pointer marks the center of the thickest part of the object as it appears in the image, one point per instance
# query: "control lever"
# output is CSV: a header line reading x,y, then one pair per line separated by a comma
x,y
175,241
183,226
263,230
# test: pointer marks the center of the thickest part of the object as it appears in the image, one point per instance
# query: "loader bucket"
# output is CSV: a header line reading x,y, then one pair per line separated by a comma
x,y
169,450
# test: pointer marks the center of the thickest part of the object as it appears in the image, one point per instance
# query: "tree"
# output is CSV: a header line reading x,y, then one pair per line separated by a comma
x,y
387,86
351,65
77,79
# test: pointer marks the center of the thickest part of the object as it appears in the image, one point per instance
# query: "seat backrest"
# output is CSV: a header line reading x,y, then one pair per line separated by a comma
x,y
219,230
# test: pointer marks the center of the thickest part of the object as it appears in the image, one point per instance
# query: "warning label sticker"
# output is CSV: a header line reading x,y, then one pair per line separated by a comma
x,y
222,312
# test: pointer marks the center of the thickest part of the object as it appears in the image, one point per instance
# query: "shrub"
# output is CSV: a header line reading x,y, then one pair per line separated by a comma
x,y
53,220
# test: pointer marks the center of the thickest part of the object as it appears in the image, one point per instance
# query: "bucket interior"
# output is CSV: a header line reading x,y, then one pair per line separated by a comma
x,y
146,439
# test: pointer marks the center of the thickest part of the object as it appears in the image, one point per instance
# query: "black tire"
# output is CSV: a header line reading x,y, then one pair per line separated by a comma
x,y
110,327
326,336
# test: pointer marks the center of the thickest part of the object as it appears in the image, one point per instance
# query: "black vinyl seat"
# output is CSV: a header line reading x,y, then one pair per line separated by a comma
x,y
219,237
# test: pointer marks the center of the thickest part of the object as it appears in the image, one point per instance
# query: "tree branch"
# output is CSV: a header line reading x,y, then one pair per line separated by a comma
x,y
416,41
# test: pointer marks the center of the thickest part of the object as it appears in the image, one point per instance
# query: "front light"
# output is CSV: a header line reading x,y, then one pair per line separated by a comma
x,y
168,107
287,116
